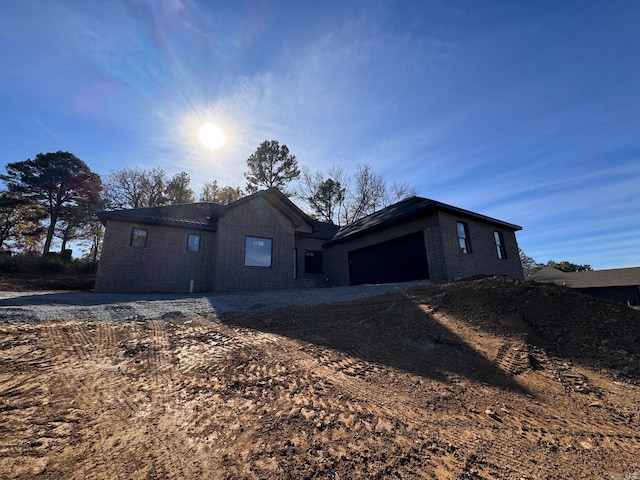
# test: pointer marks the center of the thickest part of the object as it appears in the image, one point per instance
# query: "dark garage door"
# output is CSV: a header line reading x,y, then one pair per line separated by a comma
x,y
398,260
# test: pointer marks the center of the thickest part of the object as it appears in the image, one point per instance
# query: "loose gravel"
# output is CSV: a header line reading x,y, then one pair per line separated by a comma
x,y
90,306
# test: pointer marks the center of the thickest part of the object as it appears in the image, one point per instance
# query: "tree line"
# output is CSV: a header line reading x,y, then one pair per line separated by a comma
x,y
56,195
530,266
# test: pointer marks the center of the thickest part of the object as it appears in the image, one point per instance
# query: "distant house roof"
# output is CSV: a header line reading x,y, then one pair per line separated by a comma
x,y
204,215
618,277
405,210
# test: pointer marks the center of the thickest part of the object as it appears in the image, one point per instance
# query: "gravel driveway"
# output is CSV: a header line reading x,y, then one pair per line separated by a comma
x,y
89,306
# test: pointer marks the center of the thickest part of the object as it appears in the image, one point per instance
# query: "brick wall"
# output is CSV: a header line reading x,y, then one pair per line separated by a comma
x,y
483,259
254,218
444,258
163,265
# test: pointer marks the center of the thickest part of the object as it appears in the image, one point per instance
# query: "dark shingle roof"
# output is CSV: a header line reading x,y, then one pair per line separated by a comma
x,y
323,230
617,277
405,210
201,216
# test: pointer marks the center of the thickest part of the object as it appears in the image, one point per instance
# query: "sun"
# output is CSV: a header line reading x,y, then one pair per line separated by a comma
x,y
211,136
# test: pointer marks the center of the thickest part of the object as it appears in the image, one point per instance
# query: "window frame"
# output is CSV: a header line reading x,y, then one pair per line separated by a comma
x,y
247,258
133,242
501,248
464,241
189,245
318,263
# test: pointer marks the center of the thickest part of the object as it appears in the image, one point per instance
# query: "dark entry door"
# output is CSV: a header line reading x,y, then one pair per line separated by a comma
x,y
399,260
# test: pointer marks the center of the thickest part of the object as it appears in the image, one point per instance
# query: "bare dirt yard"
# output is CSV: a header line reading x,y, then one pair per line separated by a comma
x,y
482,379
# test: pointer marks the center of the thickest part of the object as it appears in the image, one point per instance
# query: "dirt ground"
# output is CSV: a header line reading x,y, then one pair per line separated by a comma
x,y
481,379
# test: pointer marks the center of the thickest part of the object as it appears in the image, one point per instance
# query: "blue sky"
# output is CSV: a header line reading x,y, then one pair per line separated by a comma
x,y
528,111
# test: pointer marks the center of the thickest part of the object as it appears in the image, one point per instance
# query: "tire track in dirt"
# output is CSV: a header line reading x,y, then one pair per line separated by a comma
x,y
27,430
213,343
119,396
333,393
333,403
588,431
301,396
106,335
167,439
353,377
158,357
62,338
341,369
109,398
521,360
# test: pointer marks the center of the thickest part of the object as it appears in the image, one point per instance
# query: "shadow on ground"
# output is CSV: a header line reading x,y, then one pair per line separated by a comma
x,y
391,330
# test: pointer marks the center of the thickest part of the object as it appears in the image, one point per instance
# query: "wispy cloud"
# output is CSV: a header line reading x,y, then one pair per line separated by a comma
x,y
527,114
47,129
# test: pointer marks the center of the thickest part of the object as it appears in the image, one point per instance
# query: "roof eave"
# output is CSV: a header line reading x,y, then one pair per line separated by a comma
x,y
373,228
431,206
104,217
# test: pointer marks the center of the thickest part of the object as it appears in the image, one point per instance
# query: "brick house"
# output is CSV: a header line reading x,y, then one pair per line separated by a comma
x,y
265,242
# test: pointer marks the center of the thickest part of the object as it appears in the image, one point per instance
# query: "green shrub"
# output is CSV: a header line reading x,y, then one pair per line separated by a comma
x,y
84,266
51,263
8,264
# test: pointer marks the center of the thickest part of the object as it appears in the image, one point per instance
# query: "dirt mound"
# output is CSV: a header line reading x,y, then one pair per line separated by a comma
x,y
482,379
548,318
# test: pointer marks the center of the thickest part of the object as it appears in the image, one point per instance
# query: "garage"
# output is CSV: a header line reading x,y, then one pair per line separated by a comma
x,y
399,260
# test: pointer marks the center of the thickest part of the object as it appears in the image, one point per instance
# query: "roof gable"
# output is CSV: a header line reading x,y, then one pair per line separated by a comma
x,y
299,220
